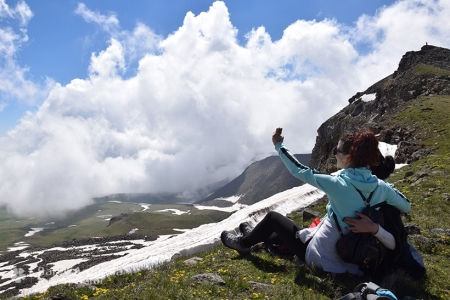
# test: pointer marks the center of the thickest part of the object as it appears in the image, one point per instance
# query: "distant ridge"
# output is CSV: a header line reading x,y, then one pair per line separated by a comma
x,y
259,181
150,198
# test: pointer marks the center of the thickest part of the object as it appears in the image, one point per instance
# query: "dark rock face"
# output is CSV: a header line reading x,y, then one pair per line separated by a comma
x,y
409,152
429,55
118,218
420,73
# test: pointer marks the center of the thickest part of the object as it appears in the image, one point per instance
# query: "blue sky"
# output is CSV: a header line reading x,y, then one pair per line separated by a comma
x,y
152,96
60,41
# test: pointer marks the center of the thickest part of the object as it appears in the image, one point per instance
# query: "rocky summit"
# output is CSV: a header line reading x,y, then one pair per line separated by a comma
x,y
419,74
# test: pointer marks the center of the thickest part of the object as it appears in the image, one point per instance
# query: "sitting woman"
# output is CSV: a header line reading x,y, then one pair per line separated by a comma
x,y
382,170
354,153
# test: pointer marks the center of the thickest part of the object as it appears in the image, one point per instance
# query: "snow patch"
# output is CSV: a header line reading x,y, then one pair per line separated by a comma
x,y
368,97
235,207
145,206
33,231
64,265
18,246
387,149
232,199
398,166
174,211
181,230
104,217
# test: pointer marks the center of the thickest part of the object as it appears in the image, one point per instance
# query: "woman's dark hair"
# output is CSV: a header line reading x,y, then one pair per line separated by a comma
x,y
384,168
362,149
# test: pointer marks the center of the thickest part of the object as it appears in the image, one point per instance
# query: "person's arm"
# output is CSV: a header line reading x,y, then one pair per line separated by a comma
x,y
386,238
321,181
365,224
399,201
395,198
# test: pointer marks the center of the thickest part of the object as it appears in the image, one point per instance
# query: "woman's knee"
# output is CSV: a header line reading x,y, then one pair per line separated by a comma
x,y
274,215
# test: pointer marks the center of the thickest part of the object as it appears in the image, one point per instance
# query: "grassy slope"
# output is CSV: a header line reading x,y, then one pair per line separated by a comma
x,y
88,224
430,210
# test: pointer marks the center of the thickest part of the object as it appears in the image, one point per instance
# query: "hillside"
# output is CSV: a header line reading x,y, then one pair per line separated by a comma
x,y
260,180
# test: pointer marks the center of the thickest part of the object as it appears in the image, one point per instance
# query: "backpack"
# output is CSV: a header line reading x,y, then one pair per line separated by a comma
x,y
363,249
369,291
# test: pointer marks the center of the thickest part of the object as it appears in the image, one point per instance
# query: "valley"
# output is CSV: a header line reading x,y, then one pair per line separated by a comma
x,y
94,220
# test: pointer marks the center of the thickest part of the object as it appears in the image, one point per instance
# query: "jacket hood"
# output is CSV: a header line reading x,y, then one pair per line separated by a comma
x,y
361,178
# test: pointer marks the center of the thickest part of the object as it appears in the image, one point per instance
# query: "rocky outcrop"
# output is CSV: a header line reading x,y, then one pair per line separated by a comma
x,y
118,218
104,240
420,73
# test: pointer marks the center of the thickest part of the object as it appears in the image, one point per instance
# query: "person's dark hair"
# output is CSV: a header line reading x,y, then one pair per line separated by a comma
x,y
362,149
384,168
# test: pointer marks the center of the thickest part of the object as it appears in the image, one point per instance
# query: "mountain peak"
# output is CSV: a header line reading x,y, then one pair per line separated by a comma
x,y
428,55
423,73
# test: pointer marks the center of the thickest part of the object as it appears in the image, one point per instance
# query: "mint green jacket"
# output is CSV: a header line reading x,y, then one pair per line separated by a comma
x,y
344,199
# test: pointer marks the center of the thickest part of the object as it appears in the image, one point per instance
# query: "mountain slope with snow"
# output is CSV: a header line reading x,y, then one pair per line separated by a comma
x,y
164,249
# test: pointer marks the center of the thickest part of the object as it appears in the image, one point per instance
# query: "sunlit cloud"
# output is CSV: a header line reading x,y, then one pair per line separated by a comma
x,y
199,107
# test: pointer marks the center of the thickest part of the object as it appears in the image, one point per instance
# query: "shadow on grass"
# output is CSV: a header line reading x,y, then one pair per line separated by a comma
x,y
269,266
336,286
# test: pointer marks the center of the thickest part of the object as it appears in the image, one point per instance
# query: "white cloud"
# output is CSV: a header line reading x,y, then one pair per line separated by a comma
x,y
14,84
135,43
108,23
200,106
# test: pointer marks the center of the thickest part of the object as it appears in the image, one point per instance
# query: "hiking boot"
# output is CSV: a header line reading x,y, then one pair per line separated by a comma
x,y
234,242
280,251
245,228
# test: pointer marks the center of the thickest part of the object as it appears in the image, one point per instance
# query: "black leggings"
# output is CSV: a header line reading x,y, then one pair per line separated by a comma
x,y
273,226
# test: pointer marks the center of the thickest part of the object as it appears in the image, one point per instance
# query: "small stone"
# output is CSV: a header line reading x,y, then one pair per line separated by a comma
x,y
175,256
208,278
193,260
258,285
309,214
58,297
412,229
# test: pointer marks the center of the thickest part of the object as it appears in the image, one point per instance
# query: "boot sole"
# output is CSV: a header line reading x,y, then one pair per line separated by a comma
x,y
222,240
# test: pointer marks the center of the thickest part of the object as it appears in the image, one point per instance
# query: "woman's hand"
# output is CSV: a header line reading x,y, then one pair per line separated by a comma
x,y
364,224
277,137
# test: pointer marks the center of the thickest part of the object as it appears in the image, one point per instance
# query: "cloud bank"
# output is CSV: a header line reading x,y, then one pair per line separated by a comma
x,y
200,106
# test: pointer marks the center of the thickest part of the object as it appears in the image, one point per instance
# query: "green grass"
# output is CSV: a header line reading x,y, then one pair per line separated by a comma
x,y
173,280
161,223
89,224
423,69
